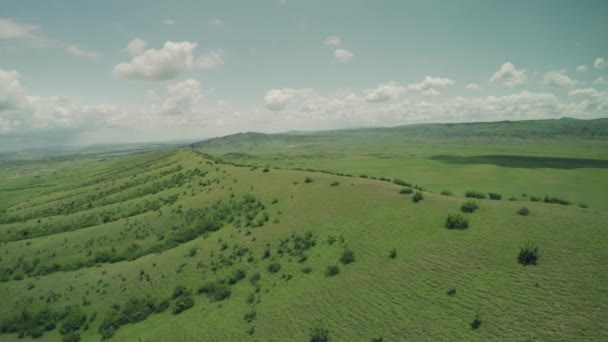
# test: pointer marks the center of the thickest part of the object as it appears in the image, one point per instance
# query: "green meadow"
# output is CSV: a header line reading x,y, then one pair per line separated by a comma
x,y
359,235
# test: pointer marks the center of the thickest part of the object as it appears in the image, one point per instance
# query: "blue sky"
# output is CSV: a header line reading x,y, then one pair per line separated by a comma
x,y
95,71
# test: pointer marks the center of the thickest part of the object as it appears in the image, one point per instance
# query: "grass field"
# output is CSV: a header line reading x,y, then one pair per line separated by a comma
x,y
175,245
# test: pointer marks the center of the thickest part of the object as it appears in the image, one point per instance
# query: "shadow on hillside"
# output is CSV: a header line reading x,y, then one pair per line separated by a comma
x,y
524,161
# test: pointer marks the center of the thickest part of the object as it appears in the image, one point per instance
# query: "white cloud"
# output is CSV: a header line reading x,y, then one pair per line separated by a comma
x,y
182,97
21,112
342,55
168,22
509,76
599,63
558,79
582,68
429,85
278,99
600,81
385,92
583,92
472,86
217,22
77,51
167,62
332,41
11,29
211,60
136,47
162,64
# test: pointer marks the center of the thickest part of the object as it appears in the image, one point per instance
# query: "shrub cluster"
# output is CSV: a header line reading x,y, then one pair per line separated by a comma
x,y
528,254
406,191
417,197
523,211
494,196
401,182
474,194
456,221
348,256
469,206
332,270
216,291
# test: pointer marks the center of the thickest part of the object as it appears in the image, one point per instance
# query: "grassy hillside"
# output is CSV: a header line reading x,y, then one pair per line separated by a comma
x,y
563,158
171,245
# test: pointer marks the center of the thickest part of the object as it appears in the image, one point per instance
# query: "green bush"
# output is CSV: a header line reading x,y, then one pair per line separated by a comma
x,y
447,193
274,267
332,270
528,254
72,321
583,205
237,276
474,194
308,180
495,196
556,200
417,197
401,182
393,253
523,211
71,337
476,322
216,291
184,302
348,256
334,183
306,269
406,191
469,206
250,316
319,334
534,199
456,221
255,277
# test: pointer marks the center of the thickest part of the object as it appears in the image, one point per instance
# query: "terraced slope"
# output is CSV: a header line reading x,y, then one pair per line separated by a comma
x,y
172,245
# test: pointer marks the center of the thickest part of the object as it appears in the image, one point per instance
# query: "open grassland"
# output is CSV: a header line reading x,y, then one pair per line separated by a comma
x,y
556,158
172,245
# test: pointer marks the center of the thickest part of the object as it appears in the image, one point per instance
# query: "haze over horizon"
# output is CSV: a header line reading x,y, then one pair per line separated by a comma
x,y
95,72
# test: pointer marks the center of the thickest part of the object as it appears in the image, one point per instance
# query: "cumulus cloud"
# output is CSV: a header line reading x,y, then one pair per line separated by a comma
x,y
136,47
599,63
168,22
278,99
167,62
429,85
211,60
182,97
558,79
509,76
582,68
600,81
472,86
21,112
385,92
332,41
161,64
342,55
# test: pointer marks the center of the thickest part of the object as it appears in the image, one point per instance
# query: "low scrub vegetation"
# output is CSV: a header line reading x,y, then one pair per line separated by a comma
x,y
469,206
474,194
332,270
216,291
528,254
456,221
523,211
348,256
417,197
495,196
406,191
